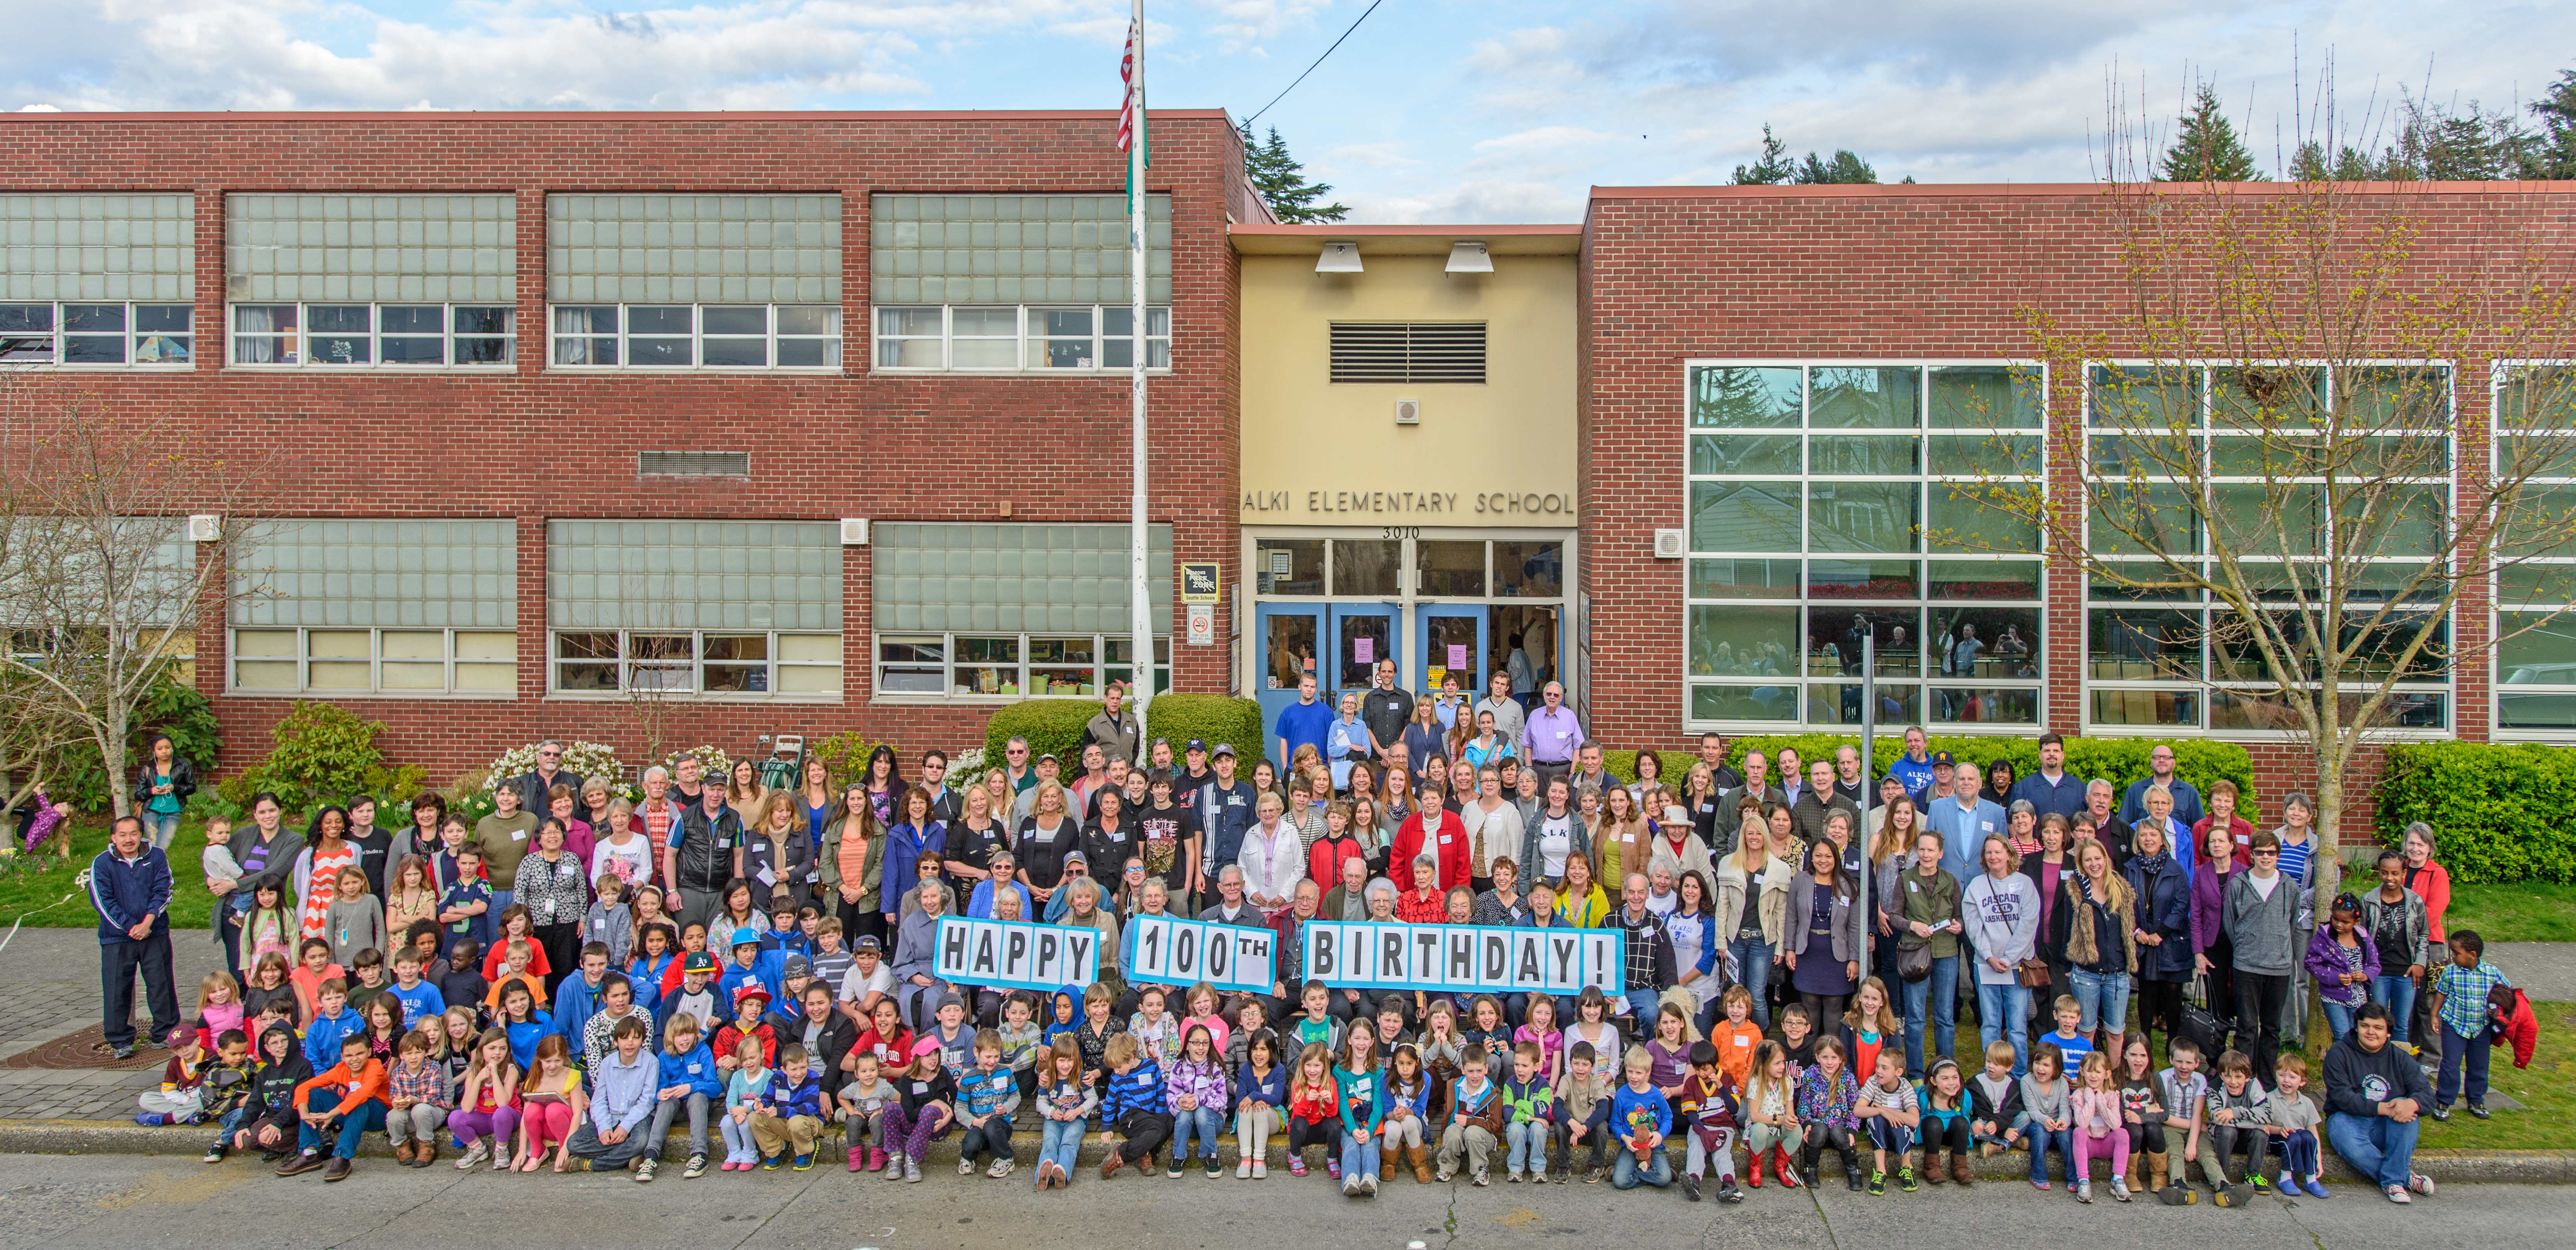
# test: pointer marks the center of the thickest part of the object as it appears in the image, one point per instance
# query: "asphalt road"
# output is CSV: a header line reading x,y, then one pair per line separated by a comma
x,y
128,1201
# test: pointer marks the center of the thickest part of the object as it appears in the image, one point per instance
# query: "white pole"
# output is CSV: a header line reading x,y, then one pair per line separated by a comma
x,y
1868,749
1140,582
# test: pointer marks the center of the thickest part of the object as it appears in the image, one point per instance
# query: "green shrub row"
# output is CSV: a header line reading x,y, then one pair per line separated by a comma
x,y
2501,812
2122,760
1054,726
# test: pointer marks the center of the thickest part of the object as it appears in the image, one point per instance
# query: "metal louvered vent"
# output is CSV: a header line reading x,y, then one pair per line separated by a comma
x,y
1420,351
693,463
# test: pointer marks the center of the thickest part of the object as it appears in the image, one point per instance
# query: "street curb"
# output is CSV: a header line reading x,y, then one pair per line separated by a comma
x,y
88,1137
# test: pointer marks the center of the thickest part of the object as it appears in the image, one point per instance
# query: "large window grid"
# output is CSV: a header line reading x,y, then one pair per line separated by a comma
x,y
353,336
1011,666
2159,659
712,662
477,663
96,334
1022,338
697,336
2535,668
1835,500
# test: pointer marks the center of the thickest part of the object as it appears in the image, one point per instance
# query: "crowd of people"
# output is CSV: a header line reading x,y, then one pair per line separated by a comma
x,y
575,979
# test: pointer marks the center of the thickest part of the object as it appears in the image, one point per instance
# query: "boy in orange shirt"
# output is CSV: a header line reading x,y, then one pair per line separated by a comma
x,y
1736,1037
349,1100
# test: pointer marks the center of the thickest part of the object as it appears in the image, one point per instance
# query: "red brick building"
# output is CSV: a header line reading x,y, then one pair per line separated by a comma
x,y
507,327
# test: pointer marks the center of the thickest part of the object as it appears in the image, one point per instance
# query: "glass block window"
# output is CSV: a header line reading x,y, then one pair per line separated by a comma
x,y
1013,249
693,575
461,574
362,248
2535,583
1012,578
98,247
707,249
1831,505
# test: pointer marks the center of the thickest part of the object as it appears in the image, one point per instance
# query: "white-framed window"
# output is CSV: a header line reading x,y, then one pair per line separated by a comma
x,y
2155,660
719,662
482,663
1835,502
358,335
1028,338
96,333
971,665
2535,585
696,336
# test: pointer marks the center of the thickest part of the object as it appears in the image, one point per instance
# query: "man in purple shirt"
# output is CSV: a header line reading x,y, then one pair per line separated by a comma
x,y
1551,736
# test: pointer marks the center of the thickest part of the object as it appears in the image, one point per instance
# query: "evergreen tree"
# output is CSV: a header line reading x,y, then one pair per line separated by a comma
x,y
1844,168
1772,169
2206,147
1281,180
2554,152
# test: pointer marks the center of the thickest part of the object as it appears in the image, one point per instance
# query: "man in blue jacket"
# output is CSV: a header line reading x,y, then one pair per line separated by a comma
x,y
129,884
1225,812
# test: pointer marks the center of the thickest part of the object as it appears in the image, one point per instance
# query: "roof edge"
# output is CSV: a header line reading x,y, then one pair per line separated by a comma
x,y
2057,190
292,117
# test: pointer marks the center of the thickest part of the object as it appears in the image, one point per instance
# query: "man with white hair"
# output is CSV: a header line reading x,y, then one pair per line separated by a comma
x,y
536,784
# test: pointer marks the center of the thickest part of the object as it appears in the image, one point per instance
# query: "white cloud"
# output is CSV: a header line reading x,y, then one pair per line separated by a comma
x,y
1371,156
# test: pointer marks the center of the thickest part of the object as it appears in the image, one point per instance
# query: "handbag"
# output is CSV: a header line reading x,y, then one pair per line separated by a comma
x,y
1914,959
2032,973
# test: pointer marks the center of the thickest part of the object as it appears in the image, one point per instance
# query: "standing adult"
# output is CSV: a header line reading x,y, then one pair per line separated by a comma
x,y
129,885
2213,948
1384,708
2375,1096
2002,913
852,856
2299,848
317,869
1492,825
2051,790
704,852
1751,915
537,783
503,835
1926,909
946,804
2162,901
1425,739
550,884
2262,920
1432,830
1712,752
161,790
265,850
1307,722
2160,772
1225,806
2431,882
1824,952
1756,783
2095,932
1523,670
1964,819
1551,735
2401,932
1167,830
1509,715
1114,729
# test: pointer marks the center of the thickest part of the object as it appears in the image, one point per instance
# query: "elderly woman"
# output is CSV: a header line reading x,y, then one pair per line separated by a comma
x,y
1425,903
916,951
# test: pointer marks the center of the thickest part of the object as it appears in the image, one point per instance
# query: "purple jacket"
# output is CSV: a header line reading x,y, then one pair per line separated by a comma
x,y
2325,963
2208,906
1206,1081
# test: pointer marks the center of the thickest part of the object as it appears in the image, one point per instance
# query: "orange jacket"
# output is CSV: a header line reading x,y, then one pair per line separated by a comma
x,y
367,1084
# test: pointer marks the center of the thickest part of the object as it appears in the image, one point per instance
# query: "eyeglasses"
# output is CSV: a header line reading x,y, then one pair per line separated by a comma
x,y
1016,751
2267,851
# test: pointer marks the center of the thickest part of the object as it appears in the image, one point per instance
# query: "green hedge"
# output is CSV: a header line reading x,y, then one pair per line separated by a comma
x,y
2501,812
1054,726
2122,760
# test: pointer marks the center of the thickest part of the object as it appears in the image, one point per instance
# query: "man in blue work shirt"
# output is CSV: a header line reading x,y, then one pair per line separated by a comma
x,y
2052,788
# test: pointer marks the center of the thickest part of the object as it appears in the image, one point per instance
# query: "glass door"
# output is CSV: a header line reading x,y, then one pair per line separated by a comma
x,y
1291,642
1362,636
1452,642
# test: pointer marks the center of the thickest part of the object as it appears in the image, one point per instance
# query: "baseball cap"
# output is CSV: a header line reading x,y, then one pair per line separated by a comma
x,y
1942,757
748,992
1196,744
925,1046
1225,748
797,966
866,943
1047,758
745,937
698,962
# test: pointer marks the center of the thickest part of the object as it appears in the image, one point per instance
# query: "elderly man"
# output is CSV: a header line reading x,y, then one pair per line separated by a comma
x,y
535,785
916,953
702,853
1231,907
1114,730
1551,735
129,885
1349,900
1288,959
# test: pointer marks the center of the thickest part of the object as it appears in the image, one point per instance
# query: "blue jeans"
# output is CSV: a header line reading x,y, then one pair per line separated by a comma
x,y
1753,957
1059,1141
2376,1146
2102,998
2397,994
1208,1122
2338,1018
2455,1048
1528,1146
2041,1138
233,1122
161,827
1937,995
1627,1173
354,1127
1997,1004
1359,1155
1642,1006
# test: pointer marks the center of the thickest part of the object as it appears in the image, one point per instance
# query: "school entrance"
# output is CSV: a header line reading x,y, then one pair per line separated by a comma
x,y
1444,603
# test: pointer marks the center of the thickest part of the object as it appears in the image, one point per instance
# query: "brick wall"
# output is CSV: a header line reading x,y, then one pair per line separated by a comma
x,y
530,444
1897,273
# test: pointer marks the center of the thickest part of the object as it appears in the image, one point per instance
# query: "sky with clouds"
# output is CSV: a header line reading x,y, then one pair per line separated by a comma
x,y
1435,110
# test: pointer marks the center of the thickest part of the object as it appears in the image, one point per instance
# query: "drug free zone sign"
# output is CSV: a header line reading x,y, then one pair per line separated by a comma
x,y
1503,960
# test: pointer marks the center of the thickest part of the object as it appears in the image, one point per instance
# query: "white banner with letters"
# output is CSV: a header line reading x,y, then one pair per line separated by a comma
x,y
1166,950
1012,955
1499,959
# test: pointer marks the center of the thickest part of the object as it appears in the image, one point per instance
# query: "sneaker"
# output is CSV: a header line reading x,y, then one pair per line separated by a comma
x,y
1592,1177
1513,1177
1350,1187
214,1154
2084,1191
1213,1171
124,1052
150,1119
1243,1169
1905,1179
770,1163
645,1170
696,1168
965,1166
2039,1182
2420,1183
476,1153
911,1170
2478,1109
1690,1188
2234,1196
2261,1184
803,1162
2315,1188
2178,1195
1261,1169
1368,1185
1538,1176
2397,1194
1878,1184
2119,1188
2441,1113
894,1167
1727,1192
1000,1169
1442,1176
1333,1168
1482,1178
1173,1172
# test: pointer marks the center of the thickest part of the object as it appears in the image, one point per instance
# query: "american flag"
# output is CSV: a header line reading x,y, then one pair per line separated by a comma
x,y
1127,79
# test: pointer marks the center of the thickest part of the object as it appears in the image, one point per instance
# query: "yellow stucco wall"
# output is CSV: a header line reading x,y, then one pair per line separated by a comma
x,y
1318,453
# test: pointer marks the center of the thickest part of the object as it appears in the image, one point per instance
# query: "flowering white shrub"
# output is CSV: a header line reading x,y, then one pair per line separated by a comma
x,y
588,759
714,764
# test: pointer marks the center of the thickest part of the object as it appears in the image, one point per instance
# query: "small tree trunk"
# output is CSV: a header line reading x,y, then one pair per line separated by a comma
x,y
2325,865
111,752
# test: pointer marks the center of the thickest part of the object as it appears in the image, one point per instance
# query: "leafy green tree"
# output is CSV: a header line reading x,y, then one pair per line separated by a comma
x,y
1281,179
2206,147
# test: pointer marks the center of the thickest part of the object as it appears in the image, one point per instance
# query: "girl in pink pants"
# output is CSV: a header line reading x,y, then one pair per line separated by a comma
x,y
2099,1130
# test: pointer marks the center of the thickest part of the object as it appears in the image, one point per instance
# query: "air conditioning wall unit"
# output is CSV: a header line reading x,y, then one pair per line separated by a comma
x,y
1668,544
854,531
205,527
1408,412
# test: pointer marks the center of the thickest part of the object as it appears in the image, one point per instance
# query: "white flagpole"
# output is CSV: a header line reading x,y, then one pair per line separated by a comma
x,y
1140,583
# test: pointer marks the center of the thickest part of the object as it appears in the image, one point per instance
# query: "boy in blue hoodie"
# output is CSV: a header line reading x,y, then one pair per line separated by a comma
x,y
790,1115
691,1085
332,1021
750,966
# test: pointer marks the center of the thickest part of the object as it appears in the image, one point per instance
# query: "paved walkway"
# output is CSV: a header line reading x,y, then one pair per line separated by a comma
x,y
49,989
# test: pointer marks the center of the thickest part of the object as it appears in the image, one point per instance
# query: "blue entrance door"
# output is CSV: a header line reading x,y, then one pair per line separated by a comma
x,y
1292,644
1363,634
1451,642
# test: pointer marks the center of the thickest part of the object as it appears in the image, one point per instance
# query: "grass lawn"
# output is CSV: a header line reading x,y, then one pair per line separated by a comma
x,y
24,887
2533,911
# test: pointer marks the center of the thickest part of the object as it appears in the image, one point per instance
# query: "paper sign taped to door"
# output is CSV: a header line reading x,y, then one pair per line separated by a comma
x,y
1363,650
1457,655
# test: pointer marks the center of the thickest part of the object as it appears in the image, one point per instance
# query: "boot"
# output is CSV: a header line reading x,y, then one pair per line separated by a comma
x,y
1753,1169
1932,1173
425,1153
2130,1177
1789,1178
1959,1170
1420,1158
402,1153
1808,1157
1851,1165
